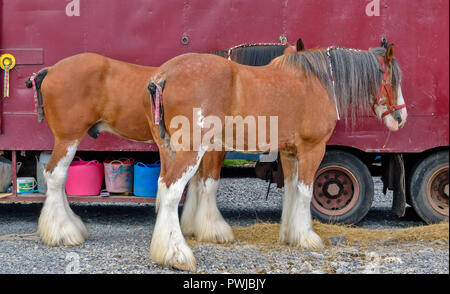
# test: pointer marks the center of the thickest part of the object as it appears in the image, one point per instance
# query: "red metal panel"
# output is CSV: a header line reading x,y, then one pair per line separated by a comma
x,y
28,56
150,32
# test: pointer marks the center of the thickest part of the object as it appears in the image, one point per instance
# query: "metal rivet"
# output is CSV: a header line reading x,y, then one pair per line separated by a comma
x,y
185,40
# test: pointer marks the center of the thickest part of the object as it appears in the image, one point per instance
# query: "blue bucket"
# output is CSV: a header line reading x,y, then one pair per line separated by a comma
x,y
146,179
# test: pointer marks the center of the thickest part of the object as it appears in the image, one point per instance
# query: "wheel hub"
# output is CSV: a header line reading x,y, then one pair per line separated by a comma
x,y
438,191
333,189
336,190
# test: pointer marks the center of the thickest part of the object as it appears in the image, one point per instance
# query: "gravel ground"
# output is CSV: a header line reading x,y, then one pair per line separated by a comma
x,y
119,240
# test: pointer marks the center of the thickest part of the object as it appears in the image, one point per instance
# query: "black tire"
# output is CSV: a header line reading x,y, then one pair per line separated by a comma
x,y
423,175
342,165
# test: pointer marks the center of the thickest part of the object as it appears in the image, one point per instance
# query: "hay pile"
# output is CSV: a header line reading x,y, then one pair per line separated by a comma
x,y
267,234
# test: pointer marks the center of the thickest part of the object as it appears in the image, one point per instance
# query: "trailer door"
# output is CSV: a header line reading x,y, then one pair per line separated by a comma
x,y
17,110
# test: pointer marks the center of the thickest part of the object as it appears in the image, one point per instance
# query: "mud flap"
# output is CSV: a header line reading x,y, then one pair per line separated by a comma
x,y
394,179
271,172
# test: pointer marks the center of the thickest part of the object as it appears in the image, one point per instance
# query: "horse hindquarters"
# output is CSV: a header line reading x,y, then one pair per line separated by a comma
x,y
58,225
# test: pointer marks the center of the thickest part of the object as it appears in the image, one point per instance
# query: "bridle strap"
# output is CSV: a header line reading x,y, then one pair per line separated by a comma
x,y
391,107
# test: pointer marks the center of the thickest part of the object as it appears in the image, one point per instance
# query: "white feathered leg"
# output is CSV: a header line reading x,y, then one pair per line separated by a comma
x,y
290,187
209,223
58,225
168,246
190,208
299,229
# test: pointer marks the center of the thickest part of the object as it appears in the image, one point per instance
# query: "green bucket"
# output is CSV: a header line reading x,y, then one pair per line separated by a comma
x,y
26,184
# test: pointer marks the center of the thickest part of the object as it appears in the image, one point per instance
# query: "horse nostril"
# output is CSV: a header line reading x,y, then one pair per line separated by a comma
x,y
397,117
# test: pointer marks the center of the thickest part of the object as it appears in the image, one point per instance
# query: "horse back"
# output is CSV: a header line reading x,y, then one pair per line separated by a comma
x,y
88,88
196,81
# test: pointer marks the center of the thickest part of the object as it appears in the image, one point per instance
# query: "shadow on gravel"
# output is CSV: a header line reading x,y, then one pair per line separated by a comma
x,y
237,172
13,211
145,213
91,212
134,213
382,217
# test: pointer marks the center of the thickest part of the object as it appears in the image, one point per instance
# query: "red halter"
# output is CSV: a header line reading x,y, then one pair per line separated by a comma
x,y
391,107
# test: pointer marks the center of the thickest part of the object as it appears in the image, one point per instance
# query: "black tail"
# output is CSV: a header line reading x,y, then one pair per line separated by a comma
x,y
152,89
38,80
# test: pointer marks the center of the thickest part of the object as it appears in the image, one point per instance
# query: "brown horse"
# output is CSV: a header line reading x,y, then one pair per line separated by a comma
x,y
201,218
305,92
89,93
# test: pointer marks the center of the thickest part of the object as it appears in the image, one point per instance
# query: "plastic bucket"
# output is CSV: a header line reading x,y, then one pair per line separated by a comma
x,y
85,178
26,184
6,173
41,162
146,179
119,175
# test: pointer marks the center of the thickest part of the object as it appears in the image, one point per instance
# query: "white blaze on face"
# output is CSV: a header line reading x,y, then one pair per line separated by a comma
x,y
403,111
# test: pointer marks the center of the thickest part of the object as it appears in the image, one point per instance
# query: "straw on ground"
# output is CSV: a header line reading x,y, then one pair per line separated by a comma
x,y
267,234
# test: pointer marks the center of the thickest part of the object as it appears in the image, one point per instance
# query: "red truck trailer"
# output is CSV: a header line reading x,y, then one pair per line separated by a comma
x,y
413,161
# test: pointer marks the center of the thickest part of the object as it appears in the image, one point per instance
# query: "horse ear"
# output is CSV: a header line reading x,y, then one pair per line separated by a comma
x,y
389,53
300,46
384,43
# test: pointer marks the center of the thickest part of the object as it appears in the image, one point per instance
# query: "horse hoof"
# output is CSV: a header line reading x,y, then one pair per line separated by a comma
x,y
68,231
218,232
183,267
178,257
311,241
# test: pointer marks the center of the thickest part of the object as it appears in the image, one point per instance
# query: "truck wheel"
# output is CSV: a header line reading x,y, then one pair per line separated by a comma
x,y
343,189
429,188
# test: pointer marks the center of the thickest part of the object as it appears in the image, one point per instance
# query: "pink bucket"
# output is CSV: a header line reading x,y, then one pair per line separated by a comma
x,y
85,178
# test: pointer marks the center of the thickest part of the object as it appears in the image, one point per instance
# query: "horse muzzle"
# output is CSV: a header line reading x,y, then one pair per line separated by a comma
x,y
400,116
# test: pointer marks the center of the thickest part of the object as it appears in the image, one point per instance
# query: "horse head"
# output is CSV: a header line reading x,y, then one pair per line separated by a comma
x,y
390,105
